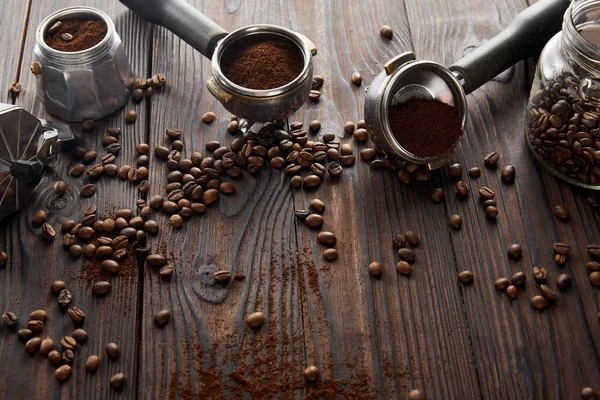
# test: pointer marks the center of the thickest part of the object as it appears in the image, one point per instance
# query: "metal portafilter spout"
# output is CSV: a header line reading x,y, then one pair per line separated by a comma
x,y
405,77
217,44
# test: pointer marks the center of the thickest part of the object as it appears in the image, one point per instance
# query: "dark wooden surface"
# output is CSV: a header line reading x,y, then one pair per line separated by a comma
x,y
371,338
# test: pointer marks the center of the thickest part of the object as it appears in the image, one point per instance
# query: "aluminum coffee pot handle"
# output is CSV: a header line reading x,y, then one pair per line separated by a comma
x,y
183,20
524,37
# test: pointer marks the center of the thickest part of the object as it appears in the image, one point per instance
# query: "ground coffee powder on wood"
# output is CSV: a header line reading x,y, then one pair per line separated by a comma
x,y
261,64
425,128
85,34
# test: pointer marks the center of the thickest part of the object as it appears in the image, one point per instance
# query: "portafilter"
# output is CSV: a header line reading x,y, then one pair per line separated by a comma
x,y
404,77
217,44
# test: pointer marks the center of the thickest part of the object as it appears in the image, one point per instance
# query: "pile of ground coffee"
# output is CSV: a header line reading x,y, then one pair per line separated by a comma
x,y
425,128
261,64
76,34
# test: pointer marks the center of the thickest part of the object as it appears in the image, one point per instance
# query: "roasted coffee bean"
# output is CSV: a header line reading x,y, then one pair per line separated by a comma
x,y
594,251
67,226
463,188
508,174
100,288
485,193
67,37
255,319
561,212
86,233
88,190
317,82
330,254
128,232
314,95
60,188
161,152
55,358
540,273
208,117
68,356
39,217
317,206
48,231
156,202
138,95
399,241
110,266
35,325
515,251
548,292
120,254
361,135
326,238
56,287
387,32
406,254
3,259
375,268
222,276
561,248
33,345
124,172
162,317
356,78
77,170
107,159
564,281
166,271
588,393
156,260
64,298
89,156
10,319
455,221
210,196
560,259
112,350
416,394
475,172
55,27
76,314
114,132
176,221
404,268
314,221
501,283
312,181
593,266
131,116
512,292
75,251
594,278
63,372
412,238
539,302
117,381
455,171
518,278
367,154
334,169
491,159
24,334
491,212
437,195
177,145
465,277
92,363
68,343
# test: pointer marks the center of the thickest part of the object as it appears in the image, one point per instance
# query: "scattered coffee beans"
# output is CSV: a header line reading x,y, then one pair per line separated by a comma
x,y
92,363
491,159
539,302
501,283
540,273
561,212
455,221
9,319
62,373
465,277
564,281
311,373
515,251
386,31
117,381
162,317
508,174
375,268
112,350
512,292
255,319
404,268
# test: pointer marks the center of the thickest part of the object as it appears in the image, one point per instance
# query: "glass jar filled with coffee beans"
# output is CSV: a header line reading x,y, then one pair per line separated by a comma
x,y
563,114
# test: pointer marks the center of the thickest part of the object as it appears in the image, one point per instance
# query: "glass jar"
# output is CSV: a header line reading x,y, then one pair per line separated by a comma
x,y
87,84
563,112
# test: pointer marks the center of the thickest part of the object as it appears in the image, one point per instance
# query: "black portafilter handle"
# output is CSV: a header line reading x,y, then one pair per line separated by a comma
x,y
183,20
524,37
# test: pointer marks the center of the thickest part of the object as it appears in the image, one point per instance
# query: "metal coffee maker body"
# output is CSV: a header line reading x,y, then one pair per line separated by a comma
x,y
28,145
87,84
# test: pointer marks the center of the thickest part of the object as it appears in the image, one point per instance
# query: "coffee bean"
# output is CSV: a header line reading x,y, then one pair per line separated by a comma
x,y
404,268
595,278
54,357
314,95
100,288
406,254
455,170
60,188
48,231
564,281
104,251
162,317
512,292
39,217
24,334
314,126
112,350
33,345
77,170
131,116
166,272
465,277
314,221
491,212
86,233
399,241
68,342
117,381
334,169
317,82
463,188
67,37
561,248
326,238
548,292
561,212
222,276
55,27
539,302
588,393
518,278
62,373
361,135
88,190
594,251
501,283
387,32
89,156
110,266
156,260
593,266
412,238
40,315
455,221
375,268
515,251
491,159
208,117
356,78
311,373
437,195
9,319
68,356
540,273
76,314
92,363
475,172
114,149
176,221
317,206
330,254
255,319
485,193
35,325
116,132
210,196
560,259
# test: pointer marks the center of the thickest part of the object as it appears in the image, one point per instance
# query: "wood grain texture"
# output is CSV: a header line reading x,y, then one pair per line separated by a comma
x,y
520,353
34,263
13,17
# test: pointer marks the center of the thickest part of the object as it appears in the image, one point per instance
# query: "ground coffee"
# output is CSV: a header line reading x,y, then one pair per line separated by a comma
x,y
262,64
425,128
80,34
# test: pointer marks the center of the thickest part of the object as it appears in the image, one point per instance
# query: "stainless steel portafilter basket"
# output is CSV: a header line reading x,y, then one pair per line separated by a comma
x,y
215,43
404,77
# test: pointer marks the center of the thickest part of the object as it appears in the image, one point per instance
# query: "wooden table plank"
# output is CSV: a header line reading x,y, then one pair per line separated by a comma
x,y
520,353
34,263
13,17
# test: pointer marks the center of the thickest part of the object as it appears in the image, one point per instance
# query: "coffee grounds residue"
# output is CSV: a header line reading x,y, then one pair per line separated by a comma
x,y
263,64
425,128
86,34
